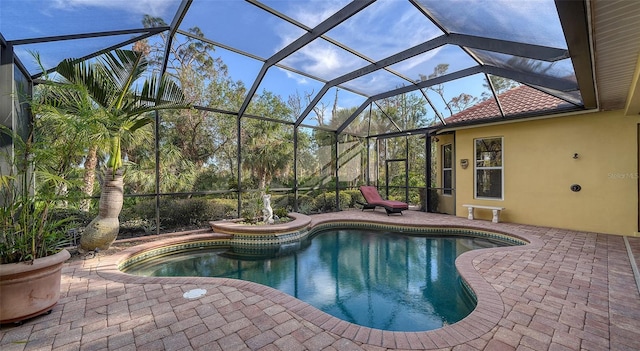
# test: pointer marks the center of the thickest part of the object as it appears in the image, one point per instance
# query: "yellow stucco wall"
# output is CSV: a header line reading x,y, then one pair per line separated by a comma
x,y
539,169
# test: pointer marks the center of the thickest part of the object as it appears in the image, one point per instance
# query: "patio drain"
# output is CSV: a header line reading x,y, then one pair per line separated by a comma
x,y
194,293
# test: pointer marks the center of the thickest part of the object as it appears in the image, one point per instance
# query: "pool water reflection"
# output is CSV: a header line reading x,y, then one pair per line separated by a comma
x,y
377,279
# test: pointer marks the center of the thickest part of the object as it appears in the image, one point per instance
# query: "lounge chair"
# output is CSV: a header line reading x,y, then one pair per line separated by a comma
x,y
373,199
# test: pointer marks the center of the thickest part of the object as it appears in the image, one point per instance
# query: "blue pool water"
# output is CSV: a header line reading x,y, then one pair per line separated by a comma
x,y
377,279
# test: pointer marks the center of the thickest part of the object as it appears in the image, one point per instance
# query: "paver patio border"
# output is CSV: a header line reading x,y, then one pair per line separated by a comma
x,y
567,290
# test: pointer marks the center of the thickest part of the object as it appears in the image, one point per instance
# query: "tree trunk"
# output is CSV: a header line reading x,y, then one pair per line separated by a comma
x,y
262,182
103,230
89,177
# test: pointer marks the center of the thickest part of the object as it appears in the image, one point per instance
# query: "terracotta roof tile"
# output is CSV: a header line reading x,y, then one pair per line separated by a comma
x,y
519,100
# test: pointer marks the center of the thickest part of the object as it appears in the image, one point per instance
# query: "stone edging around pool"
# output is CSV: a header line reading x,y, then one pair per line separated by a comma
x,y
272,234
488,312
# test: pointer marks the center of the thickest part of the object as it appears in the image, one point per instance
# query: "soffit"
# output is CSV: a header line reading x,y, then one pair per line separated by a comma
x,y
616,28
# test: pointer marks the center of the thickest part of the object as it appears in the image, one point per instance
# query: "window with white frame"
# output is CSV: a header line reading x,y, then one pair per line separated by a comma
x,y
488,172
447,170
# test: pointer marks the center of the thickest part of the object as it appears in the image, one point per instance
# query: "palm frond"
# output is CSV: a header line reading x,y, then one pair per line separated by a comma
x,y
109,83
121,71
137,124
83,74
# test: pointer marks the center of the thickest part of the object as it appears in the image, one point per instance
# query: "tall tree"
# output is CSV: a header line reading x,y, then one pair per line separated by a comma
x,y
500,85
456,103
205,81
74,134
267,150
111,82
206,140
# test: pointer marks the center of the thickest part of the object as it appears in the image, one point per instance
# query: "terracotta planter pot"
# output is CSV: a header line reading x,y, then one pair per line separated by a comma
x,y
29,290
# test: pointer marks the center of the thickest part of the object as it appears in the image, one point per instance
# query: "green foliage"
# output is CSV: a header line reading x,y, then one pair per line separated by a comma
x,y
414,196
27,229
355,195
77,218
28,232
305,204
198,149
177,173
281,212
345,199
209,180
267,150
325,202
252,206
229,207
178,213
282,201
110,84
188,212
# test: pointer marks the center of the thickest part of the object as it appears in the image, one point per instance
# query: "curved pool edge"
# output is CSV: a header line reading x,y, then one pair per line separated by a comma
x,y
487,314
299,222
272,234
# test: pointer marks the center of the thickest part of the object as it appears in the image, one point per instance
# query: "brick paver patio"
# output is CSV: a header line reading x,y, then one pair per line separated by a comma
x,y
567,290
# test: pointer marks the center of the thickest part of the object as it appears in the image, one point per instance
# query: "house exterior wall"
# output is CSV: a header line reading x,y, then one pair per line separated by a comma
x,y
539,169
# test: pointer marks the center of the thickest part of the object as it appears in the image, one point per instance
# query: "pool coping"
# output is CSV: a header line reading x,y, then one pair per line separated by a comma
x,y
299,222
486,315
260,235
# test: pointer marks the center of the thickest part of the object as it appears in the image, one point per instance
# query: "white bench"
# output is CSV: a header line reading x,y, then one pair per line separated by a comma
x,y
496,211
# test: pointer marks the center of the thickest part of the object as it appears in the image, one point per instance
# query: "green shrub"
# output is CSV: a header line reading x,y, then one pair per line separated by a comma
x,y
227,209
305,204
281,212
78,218
345,199
143,209
283,200
318,203
325,202
196,211
252,206
176,213
356,196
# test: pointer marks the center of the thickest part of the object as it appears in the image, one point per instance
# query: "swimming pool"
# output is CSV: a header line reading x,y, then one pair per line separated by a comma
x,y
379,279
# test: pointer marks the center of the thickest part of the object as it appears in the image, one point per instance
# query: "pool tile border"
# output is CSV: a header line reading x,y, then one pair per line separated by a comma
x,y
298,233
421,230
486,316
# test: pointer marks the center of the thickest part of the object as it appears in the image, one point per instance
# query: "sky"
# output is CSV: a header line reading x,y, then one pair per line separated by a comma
x,y
382,29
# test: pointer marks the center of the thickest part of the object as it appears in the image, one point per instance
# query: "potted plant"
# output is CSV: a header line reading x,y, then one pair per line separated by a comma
x,y
31,242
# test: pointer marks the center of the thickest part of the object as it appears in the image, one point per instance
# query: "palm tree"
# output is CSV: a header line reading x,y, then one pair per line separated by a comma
x,y
111,83
73,133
